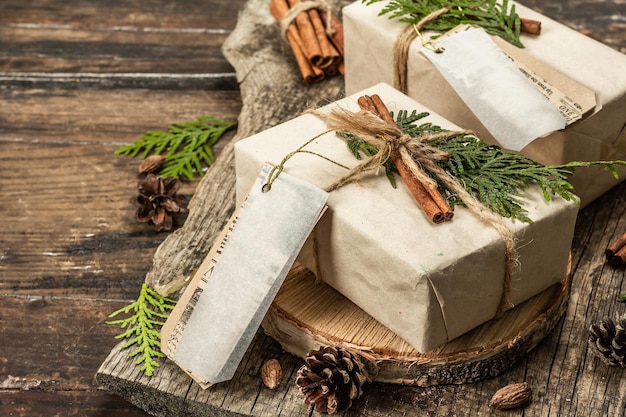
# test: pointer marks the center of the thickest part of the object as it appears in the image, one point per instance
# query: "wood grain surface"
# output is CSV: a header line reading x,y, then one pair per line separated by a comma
x,y
79,78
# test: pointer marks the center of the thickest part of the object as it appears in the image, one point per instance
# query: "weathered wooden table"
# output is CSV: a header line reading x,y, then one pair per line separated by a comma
x,y
77,79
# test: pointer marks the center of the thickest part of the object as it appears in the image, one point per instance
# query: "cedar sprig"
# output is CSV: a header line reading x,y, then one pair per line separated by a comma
x,y
188,146
147,316
497,178
497,18
358,145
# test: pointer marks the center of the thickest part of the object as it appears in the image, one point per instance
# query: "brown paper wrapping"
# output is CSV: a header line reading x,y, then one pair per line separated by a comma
x,y
559,51
428,283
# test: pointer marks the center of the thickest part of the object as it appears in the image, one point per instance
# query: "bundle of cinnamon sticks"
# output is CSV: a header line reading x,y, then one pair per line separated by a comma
x,y
315,36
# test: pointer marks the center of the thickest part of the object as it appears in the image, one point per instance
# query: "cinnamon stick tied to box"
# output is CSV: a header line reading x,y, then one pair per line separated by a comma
x,y
616,252
417,159
314,34
427,195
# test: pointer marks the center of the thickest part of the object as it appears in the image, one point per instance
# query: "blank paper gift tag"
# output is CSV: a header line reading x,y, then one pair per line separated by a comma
x,y
219,313
493,87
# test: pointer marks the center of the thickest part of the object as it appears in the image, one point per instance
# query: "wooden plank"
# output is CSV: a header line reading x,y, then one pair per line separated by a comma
x,y
131,44
52,341
109,116
47,401
216,14
85,50
602,20
67,232
73,233
566,379
48,350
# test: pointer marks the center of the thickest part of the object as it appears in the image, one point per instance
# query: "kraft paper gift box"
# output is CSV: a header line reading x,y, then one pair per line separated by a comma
x,y
570,59
428,283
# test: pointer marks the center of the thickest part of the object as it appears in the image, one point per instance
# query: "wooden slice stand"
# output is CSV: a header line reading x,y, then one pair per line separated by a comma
x,y
307,314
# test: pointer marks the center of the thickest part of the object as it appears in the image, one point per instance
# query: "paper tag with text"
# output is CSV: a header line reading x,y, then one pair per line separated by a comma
x,y
572,99
217,316
492,86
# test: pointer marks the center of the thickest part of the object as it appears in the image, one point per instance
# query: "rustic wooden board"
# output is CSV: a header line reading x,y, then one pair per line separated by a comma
x,y
49,370
133,15
86,241
67,234
170,391
602,20
77,49
105,117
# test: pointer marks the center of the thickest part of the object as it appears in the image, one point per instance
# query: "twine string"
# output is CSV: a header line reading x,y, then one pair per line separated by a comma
x,y
303,6
277,169
403,43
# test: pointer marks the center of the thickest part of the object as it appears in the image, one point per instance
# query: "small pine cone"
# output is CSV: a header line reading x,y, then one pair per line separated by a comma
x,y
331,379
157,201
608,341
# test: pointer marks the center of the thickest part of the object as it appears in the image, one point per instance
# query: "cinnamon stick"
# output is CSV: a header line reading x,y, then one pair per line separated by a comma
x,y
341,68
616,252
429,199
337,31
419,193
329,55
434,193
530,26
311,74
312,49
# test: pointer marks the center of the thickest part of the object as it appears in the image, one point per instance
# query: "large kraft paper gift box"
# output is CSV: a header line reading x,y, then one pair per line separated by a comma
x,y
428,283
559,53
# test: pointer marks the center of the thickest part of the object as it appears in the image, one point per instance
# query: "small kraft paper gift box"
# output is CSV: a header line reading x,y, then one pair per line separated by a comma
x,y
560,61
429,283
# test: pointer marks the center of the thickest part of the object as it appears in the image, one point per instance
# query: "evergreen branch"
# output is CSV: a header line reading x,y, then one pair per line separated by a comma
x,y
496,177
188,146
358,145
497,19
149,312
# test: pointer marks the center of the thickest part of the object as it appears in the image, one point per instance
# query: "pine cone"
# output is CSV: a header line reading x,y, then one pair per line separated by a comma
x,y
608,341
157,201
331,379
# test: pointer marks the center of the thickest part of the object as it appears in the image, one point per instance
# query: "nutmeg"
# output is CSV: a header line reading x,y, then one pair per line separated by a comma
x,y
271,373
152,164
511,396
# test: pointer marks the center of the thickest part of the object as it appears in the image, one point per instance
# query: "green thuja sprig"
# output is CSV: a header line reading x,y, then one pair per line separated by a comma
x,y
497,18
358,145
188,146
148,314
496,177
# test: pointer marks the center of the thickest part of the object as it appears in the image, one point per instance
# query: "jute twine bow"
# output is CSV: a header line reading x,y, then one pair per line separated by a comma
x,y
418,156
402,45
303,6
